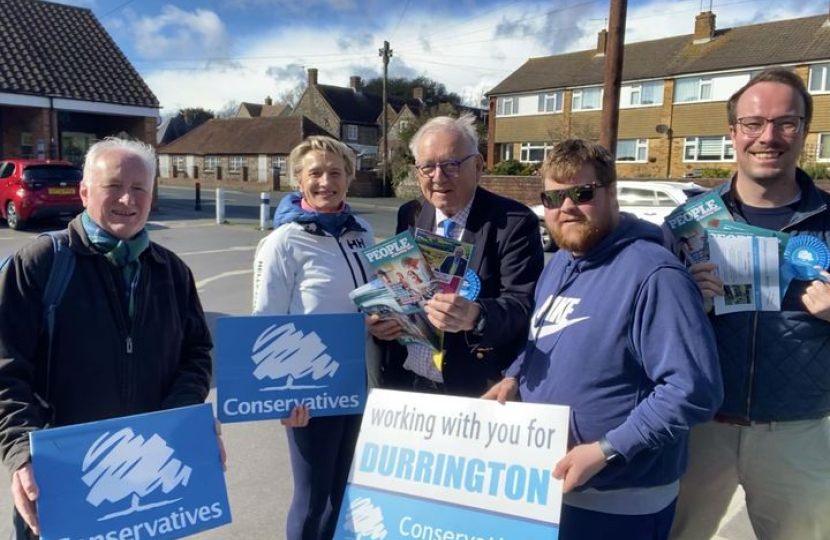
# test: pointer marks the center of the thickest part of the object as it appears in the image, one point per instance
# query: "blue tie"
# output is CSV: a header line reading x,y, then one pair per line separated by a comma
x,y
448,226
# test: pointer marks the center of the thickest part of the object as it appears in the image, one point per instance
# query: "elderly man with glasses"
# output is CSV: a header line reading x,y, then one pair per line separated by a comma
x,y
620,336
772,434
481,337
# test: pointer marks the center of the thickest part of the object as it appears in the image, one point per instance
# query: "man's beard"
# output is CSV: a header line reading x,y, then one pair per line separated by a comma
x,y
581,237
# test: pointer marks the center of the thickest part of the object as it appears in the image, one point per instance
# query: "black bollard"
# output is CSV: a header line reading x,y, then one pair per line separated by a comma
x,y
198,196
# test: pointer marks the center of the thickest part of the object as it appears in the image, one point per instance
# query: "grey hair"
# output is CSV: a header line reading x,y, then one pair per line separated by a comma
x,y
141,150
464,125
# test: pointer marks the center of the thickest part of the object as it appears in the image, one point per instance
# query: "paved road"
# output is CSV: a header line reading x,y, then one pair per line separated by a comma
x,y
221,257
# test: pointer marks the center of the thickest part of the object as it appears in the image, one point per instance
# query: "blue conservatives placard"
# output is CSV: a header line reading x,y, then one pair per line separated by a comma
x,y
434,467
151,476
266,365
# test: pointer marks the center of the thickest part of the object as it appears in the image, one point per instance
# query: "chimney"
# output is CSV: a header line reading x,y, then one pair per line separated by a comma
x,y
268,100
418,93
704,27
312,76
602,40
355,83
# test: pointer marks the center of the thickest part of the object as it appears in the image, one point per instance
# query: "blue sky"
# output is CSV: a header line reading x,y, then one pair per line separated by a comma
x,y
199,53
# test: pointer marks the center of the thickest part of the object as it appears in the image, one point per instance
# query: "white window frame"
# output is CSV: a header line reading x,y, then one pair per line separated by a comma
x,y
235,163
639,145
526,148
507,106
701,84
278,161
636,89
550,102
578,95
819,73
695,143
352,132
505,151
180,162
823,142
211,163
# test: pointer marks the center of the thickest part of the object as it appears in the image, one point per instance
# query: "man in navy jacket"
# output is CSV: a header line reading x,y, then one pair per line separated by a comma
x,y
620,336
772,434
481,336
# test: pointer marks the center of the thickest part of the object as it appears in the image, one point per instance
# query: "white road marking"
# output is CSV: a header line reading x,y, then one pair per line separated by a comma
x,y
201,284
208,252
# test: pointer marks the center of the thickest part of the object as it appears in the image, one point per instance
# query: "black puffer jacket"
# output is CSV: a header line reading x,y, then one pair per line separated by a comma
x,y
103,365
776,364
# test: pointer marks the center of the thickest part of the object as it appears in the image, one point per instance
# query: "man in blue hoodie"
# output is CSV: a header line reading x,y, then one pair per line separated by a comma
x,y
620,336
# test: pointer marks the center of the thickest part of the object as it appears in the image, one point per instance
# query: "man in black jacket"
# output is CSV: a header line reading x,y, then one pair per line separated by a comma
x,y
129,336
481,337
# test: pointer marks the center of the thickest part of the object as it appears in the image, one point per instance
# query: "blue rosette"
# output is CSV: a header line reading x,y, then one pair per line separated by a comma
x,y
806,255
471,286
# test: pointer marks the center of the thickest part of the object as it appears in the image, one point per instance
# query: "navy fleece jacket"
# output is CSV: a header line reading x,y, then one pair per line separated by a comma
x,y
620,336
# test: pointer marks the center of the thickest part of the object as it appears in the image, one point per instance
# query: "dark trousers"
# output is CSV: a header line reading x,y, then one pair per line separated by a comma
x,y
578,524
20,530
321,455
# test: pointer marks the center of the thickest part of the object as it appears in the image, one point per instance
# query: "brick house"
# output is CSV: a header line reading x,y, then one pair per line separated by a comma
x,y
235,152
350,114
673,99
64,84
267,109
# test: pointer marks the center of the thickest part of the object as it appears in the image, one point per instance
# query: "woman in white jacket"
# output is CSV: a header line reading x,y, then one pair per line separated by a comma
x,y
309,264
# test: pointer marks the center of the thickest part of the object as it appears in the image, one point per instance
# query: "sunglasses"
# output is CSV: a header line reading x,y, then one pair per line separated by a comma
x,y
553,198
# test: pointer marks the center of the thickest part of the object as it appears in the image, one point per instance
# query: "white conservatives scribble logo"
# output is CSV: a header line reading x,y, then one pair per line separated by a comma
x,y
285,352
365,520
552,316
124,464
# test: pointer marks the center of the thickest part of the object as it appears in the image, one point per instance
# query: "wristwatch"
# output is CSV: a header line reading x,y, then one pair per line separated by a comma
x,y
608,450
480,322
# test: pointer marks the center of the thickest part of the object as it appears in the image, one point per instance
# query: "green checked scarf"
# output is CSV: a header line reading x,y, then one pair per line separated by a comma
x,y
122,253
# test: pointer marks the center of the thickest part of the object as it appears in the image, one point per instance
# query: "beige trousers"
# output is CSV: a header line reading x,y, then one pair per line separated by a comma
x,y
784,468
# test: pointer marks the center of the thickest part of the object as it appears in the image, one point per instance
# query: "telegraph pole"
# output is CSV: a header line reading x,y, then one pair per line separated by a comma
x,y
386,53
613,76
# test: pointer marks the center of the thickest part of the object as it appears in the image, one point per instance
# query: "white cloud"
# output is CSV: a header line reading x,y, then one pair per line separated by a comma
x,y
469,56
181,34
292,6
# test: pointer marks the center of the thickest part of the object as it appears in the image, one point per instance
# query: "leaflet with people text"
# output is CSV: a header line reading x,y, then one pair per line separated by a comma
x,y
688,224
447,257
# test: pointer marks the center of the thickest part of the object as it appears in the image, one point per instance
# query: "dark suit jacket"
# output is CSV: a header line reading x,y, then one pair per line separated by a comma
x,y
508,258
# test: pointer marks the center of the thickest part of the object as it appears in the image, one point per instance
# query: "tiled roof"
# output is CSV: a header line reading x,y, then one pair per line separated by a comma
x,y
359,107
244,136
63,51
256,110
767,44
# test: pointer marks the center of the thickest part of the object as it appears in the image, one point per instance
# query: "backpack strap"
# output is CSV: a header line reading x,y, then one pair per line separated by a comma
x,y
63,265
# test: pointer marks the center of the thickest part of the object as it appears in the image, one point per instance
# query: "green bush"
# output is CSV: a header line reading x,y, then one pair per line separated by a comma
x,y
715,172
512,167
819,171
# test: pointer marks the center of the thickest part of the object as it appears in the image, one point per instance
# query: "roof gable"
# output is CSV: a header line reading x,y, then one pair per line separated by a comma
x,y
767,44
63,51
264,135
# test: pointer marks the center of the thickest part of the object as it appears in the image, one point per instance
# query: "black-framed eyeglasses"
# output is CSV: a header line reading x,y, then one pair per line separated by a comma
x,y
553,198
451,168
753,126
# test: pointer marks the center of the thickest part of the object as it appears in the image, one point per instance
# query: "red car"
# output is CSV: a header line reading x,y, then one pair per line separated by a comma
x,y
32,189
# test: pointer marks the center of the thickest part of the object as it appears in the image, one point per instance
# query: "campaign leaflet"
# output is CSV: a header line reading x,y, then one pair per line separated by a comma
x,y
688,223
447,257
748,266
785,271
375,298
149,476
402,269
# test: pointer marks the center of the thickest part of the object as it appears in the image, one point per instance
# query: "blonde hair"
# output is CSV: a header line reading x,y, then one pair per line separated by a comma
x,y
567,158
321,143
